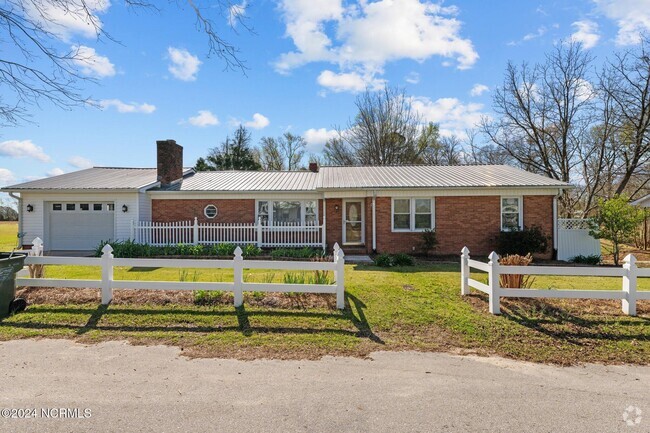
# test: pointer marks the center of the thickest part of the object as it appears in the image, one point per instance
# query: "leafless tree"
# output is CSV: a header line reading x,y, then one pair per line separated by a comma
x,y
283,153
386,130
447,150
34,68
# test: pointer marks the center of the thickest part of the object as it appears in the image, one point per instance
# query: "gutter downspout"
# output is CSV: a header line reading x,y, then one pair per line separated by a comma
x,y
555,225
20,217
374,222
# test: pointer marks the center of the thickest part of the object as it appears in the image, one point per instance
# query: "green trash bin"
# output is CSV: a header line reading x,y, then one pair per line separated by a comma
x,y
9,266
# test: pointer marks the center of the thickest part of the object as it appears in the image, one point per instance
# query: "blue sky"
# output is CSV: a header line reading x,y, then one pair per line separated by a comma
x,y
307,59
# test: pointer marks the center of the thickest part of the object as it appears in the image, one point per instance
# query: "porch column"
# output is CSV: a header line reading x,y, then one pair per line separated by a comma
x,y
374,224
324,232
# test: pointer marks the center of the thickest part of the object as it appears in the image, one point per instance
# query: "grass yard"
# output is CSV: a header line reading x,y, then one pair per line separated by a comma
x,y
411,308
8,235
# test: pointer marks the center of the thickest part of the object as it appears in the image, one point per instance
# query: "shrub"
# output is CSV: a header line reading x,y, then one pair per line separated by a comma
x,y
251,250
384,260
593,259
429,240
294,278
224,249
516,281
297,253
530,240
402,259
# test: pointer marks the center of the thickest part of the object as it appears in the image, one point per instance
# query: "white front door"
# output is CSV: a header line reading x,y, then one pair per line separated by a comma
x,y
353,222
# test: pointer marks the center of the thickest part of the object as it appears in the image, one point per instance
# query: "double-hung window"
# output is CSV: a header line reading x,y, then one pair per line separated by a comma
x,y
413,214
511,215
293,212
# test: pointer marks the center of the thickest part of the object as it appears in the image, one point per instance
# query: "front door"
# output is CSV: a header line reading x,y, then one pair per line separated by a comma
x,y
353,222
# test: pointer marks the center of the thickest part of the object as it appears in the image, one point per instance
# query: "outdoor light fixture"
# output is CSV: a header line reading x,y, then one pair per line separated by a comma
x,y
30,208
336,207
125,208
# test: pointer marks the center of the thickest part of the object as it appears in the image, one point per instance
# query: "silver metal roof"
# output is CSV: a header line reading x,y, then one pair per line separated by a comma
x,y
248,181
93,178
432,176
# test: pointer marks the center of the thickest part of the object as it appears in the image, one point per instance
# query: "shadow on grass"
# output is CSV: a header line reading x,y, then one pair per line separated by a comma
x,y
243,316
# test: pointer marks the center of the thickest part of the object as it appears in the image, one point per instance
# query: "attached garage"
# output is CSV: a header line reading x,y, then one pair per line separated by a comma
x,y
79,225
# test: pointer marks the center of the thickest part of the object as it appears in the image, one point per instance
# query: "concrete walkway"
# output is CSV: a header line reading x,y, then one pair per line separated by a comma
x,y
129,388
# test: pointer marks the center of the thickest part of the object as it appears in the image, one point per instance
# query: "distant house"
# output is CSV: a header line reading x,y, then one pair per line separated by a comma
x,y
365,209
643,201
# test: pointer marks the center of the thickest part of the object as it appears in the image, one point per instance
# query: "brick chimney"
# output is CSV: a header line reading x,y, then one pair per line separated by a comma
x,y
170,161
313,167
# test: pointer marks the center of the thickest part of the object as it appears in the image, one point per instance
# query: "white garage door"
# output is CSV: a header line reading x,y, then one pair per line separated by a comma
x,y
80,226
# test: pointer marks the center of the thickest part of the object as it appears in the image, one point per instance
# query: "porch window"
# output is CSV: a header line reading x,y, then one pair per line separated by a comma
x,y
413,214
511,218
277,212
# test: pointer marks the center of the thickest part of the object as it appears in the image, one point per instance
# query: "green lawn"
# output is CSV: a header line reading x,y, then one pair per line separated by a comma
x,y
416,308
8,235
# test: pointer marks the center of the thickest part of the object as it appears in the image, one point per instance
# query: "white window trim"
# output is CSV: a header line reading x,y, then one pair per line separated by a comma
x,y
412,214
303,209
521,211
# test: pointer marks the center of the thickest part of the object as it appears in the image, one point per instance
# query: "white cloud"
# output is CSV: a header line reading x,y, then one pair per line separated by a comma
x,y
80,162
184,65
363,37
453,116
541,31
586,33
92,63
348,81
6,176
69,18
259,122
236,12
631,16
203,118
56,171
23,149
316,138
412,78
478,89
131,107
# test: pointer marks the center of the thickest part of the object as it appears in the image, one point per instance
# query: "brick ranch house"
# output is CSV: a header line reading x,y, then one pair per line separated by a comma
x,y
364,209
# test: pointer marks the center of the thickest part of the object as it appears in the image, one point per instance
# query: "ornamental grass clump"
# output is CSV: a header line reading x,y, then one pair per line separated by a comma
x,y
516,281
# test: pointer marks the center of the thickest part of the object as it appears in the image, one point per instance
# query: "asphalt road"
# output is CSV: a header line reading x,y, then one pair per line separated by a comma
x,y
128,388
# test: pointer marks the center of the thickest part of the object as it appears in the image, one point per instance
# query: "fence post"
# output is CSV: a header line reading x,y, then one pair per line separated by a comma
x,y
107,274
195,232
238,268
493,281
339,274
629,285
132,232
259,232
464,271
37,247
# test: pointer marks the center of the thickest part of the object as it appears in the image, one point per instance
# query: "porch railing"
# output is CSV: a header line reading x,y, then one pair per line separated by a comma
x,y
195,233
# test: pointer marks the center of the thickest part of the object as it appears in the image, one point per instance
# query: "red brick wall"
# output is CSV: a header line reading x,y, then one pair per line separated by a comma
x,y
334,222
229,211
538,211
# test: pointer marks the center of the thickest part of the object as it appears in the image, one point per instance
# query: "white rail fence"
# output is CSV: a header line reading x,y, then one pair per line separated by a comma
x,y
573,239
107,282
629,273
195,233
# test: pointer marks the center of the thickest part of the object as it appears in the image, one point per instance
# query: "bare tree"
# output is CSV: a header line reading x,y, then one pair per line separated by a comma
x,y
283,153
386,130
38,70
626,80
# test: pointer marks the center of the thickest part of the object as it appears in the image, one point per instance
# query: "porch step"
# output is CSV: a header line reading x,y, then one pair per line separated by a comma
x,y
354,250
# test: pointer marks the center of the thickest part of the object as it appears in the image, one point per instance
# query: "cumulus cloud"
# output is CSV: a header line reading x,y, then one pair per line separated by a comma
x,y
6,176
586,33
56,171
631,16
348,81
259,121
80,162
478,89
66,19
316,138
184,65
23,149
124,107
364,36
203,118
91,63
453,116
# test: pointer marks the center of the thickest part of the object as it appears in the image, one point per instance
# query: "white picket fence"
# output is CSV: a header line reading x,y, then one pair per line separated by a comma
x,y
629,273
195,233
107,283
573,239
